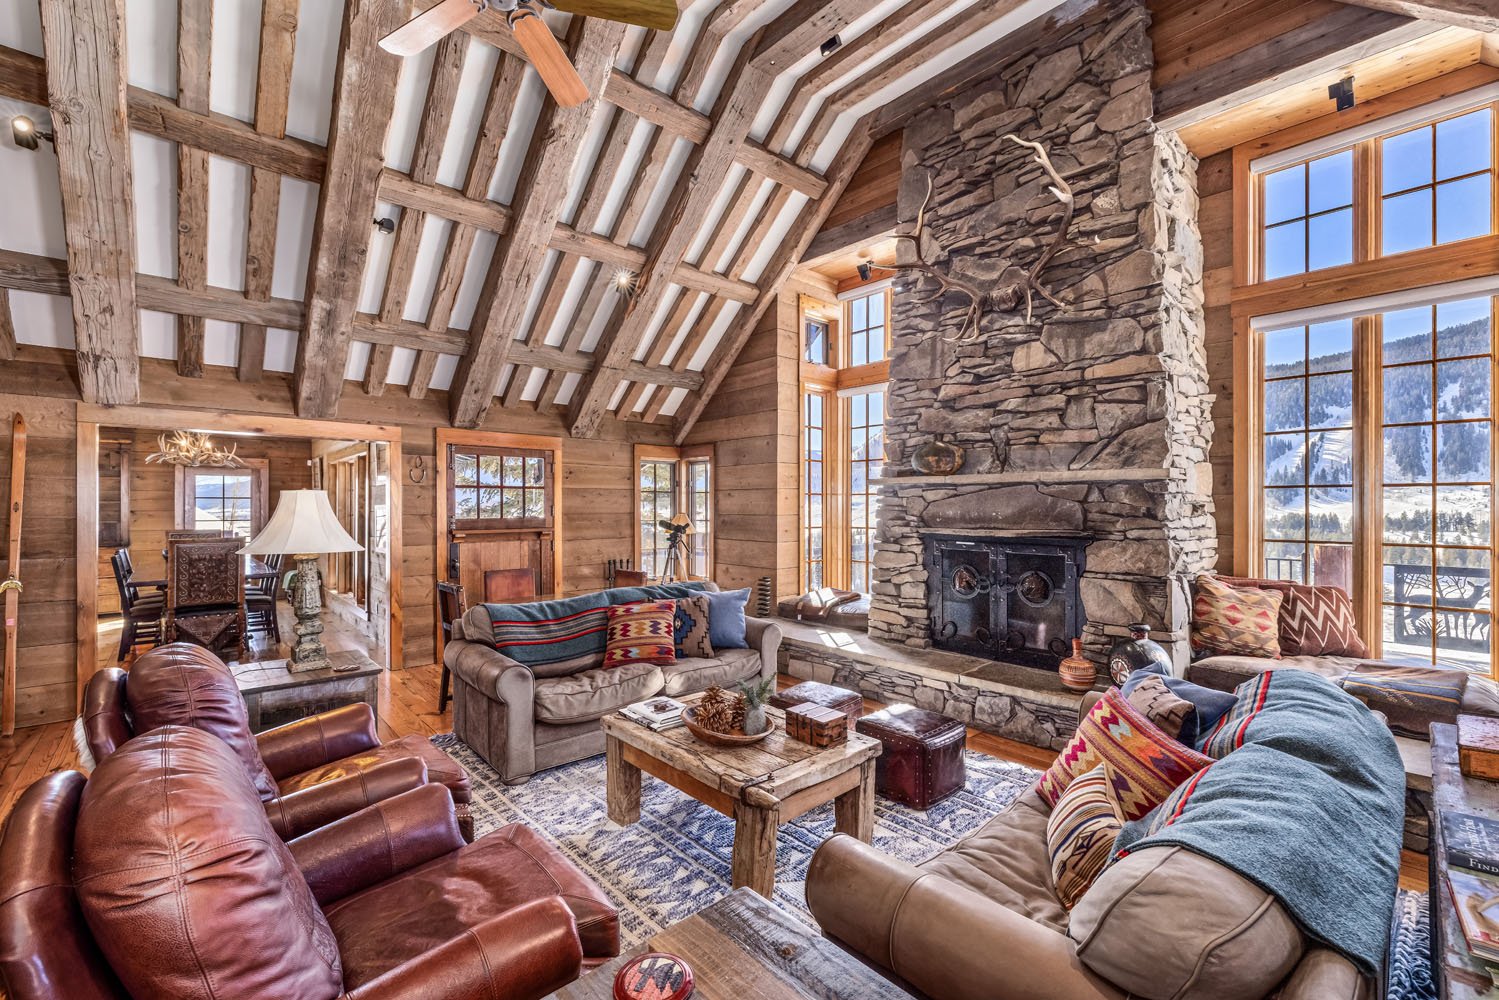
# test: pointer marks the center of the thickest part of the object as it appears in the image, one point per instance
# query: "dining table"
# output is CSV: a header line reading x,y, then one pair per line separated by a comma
x,y
256,569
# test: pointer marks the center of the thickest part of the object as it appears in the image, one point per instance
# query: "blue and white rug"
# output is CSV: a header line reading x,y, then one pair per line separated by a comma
x,y
676,859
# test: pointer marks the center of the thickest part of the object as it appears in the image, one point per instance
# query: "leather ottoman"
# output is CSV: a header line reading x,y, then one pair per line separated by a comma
x,y
922,763
850,703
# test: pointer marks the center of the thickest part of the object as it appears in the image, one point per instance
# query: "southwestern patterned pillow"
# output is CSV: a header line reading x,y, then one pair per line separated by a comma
x,y
1239,620
1160,705
691,634
1080,833
1146,763
641,633
1314,621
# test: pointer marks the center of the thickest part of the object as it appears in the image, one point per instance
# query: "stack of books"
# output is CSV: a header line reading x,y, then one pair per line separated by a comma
x,y
1472,844
656,714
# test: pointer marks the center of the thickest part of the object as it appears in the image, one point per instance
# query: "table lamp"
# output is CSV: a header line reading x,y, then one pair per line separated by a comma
x,y
304,527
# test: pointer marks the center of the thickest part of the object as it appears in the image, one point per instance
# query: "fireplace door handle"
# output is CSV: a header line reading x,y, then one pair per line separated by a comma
x,y
983,635
948,630
983,585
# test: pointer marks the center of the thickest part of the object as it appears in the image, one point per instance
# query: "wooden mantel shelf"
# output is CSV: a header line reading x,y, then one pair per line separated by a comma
x,y
1052,477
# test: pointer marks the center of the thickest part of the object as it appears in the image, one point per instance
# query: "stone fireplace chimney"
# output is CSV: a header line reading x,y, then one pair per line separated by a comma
x,y
1089,422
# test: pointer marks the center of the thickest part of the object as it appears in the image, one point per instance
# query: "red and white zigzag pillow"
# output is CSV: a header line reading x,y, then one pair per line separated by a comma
x,y
1314,621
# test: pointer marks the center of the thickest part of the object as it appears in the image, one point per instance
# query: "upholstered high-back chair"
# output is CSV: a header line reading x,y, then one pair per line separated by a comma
x,y
206,592
185,685
161,877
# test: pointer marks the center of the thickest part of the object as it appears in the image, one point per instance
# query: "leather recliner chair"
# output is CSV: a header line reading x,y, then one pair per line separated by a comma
x,y
160,876
187,685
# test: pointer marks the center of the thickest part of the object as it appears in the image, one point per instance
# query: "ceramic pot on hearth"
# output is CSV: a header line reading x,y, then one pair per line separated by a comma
x,y
1139,650
937,458
1077,671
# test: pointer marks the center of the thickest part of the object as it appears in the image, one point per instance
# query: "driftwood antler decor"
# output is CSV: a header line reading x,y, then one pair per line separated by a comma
x,y
1006,296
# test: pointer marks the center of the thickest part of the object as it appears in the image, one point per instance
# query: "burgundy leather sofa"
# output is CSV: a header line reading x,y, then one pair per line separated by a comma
x,y
160,876
186,685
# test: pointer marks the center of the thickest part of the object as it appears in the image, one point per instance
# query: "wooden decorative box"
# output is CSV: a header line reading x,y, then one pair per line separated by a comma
x,y
1478,746
816,724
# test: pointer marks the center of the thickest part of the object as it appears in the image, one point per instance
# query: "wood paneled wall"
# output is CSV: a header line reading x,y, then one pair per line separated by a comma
x,y
597,519
1215,219
1191,35
875,183
153,498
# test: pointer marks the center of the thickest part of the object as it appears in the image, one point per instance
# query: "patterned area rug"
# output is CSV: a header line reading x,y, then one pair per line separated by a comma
x,y
675,860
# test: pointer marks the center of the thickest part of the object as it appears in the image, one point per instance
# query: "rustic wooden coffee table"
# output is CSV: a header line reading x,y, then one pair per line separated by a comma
x,y
1459,974
761,786
743,946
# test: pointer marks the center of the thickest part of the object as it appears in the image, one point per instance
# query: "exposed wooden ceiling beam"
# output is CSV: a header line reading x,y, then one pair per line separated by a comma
x,y
278,37
1478,15
786,260
871,226
84,43
1315,49
799,30
364,95
7,328
194,45
539,198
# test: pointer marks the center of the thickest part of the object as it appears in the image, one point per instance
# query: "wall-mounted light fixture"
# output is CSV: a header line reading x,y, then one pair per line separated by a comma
x,y
624,282
1342,92
386,226
831,45
866,271
25,134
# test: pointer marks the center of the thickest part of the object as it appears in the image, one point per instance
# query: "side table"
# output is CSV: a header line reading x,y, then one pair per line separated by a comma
x,y
275,695
1458,975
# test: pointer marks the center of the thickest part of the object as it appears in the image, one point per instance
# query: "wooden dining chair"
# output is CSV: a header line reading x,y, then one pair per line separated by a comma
x,y
450,608
629,578
509,586
260,601
142,612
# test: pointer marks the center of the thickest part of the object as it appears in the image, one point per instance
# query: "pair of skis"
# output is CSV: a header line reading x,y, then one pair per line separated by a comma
x,y
11,586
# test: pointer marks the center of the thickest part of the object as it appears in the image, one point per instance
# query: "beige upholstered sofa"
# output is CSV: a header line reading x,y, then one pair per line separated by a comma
x,y
525,719
982,921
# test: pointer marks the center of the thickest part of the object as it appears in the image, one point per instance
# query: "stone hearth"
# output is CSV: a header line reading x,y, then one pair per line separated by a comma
x,y
1093,420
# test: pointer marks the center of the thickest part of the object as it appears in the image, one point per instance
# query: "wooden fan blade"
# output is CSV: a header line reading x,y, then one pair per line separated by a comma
x,y
661,14
428,27
546,55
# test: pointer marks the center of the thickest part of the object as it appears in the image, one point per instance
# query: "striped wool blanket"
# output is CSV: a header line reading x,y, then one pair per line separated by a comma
x,y
544,632
1305,798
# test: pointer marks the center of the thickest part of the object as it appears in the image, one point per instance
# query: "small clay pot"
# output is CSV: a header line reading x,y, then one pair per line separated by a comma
x,y
1077,671
937,458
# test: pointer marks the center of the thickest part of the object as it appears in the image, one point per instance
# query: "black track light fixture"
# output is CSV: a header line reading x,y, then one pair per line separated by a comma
x,y
386,225
1342,92
25,134
830,46
865,270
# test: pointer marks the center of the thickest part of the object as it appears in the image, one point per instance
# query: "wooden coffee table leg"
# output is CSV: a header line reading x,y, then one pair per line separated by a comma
x,y
754,863
853,811
622,780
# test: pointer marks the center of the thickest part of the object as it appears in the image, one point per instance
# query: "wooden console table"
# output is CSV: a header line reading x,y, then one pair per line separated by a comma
x,y
743,946
760,786
275,695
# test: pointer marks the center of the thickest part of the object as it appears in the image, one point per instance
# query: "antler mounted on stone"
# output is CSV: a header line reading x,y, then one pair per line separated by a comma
x,y
1006,296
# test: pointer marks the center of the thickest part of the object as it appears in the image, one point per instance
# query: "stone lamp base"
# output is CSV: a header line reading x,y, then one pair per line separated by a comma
x,y
308,652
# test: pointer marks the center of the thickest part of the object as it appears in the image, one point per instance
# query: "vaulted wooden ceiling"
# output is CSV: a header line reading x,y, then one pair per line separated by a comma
x,y
218,175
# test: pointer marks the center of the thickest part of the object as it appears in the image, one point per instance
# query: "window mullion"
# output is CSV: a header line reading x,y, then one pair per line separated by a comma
x,y
1368,478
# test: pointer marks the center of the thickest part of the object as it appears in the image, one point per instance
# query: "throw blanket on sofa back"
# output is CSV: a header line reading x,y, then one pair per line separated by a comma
x,y
545,632
1306,799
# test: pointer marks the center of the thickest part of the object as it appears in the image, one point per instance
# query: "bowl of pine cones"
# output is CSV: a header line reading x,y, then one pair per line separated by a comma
x,y
718,719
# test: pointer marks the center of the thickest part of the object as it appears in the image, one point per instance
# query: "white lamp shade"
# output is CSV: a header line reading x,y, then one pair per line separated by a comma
x,y
303,524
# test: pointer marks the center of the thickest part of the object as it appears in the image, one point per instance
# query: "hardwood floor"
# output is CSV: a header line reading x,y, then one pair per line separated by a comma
x,y
408,704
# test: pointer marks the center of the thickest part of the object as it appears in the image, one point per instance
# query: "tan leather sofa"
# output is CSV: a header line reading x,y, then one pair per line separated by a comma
x,y
523,719
982,921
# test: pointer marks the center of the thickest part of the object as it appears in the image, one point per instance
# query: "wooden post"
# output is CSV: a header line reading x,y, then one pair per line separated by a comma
x,y
622,786
853,811
754,858
86,555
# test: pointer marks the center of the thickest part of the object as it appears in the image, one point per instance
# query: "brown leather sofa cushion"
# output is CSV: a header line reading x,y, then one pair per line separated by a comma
x,y
1006,861
188,890
416,912
595,693
441,768
185,685
692,674
1167,924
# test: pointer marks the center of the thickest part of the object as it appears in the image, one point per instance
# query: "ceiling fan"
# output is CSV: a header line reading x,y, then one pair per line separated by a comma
x,y
531,32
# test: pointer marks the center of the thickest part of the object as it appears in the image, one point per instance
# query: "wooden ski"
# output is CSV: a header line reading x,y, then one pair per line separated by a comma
x,y
11,586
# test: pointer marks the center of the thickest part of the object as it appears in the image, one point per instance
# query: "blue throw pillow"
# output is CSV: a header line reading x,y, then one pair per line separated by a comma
x,y
1208,705
726,618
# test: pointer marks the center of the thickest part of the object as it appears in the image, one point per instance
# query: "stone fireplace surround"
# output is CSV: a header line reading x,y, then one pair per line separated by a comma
x,y
1092,421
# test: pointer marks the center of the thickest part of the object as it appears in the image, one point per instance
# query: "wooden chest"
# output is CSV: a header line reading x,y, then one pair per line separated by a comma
x,y
1478,746
816,724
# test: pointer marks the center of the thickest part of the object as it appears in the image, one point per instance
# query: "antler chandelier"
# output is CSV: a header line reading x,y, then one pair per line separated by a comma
x,y
187,448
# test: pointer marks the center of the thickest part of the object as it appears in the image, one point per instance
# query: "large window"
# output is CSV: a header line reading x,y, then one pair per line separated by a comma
x,y
843,436
658,502
671,482
220,501
500,488
1436,182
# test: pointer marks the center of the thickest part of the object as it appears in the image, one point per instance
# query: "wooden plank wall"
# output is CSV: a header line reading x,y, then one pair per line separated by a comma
x,y
1190,35
46,656
153,498
753,424
597,499
1215,219
874,185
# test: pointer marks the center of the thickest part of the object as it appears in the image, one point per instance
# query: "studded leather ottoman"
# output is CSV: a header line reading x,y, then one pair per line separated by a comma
x,y
922,763
850,703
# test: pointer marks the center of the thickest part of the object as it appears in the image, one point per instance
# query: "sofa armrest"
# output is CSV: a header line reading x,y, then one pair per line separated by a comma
x,y
521,954
501,679
378,842
1323,974
318,805
321,739
939,936
764,635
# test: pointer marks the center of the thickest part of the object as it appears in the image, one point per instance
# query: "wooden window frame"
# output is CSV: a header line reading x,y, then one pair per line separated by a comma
x,y
681,458
547,488
1369,275
260,488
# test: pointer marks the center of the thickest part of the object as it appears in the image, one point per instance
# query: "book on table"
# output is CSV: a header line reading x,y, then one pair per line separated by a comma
x,y
656,713
1472,842
1476,899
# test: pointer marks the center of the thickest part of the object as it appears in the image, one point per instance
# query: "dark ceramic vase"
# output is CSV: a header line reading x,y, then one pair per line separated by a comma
x,y
937,458
1139,650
